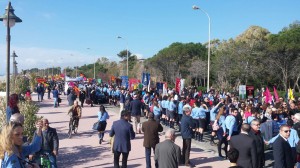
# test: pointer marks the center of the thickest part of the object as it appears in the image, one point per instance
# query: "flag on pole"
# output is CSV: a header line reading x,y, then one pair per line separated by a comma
x,y
290,94
177,85
275,94
268,96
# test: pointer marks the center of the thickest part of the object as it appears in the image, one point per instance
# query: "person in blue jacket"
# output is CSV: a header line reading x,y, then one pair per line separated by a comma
x,y
102,117
12,150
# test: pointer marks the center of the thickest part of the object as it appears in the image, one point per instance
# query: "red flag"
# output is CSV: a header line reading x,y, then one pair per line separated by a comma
x,y
276,94
268,96
177,85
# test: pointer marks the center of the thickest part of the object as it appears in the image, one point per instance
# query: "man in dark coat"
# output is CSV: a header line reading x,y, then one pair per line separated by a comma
x,y
167,153
50,143
246,147
187,127
151,137
123,132
282,150
259,142
136,109
82,96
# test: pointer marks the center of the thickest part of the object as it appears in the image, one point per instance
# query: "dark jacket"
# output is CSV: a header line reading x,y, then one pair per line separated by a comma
x,y
247,150
151,129
296,126
282,153
135,107
187,127
167,153
259,142
82,95
123,132
52,139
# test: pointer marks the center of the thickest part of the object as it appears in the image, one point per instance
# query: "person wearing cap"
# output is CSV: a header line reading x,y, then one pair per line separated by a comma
x,y
151,137
186,128
123,132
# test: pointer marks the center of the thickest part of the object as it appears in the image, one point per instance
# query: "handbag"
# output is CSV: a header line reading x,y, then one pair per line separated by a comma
x,y
96,126
215,126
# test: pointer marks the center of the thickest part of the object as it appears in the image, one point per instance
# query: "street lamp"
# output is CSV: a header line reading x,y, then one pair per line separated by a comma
x,y
208,59
119,37
9,19
94,65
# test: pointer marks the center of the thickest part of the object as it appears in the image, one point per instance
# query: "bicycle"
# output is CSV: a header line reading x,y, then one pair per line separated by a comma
x,y
72,127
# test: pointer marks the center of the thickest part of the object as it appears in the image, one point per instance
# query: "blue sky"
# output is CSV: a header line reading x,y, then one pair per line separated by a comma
x,y
58,32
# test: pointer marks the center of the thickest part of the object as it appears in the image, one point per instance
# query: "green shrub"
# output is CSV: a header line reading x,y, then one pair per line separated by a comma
x,y
29,110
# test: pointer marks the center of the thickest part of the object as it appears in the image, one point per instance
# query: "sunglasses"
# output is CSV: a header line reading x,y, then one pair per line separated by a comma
x,y
286,131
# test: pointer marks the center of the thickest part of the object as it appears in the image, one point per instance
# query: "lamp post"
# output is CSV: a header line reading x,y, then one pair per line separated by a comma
x,y
9,19
119,37
94,66
208,54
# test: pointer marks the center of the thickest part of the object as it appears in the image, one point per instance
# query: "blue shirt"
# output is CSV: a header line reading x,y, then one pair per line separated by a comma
x,y
221,122
156,110
194,113
9,112
171,106
213,113
249,119
104,117
12,161
180,108
202,112
230,123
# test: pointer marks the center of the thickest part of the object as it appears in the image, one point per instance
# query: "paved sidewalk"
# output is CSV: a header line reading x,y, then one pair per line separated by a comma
x,y
83,149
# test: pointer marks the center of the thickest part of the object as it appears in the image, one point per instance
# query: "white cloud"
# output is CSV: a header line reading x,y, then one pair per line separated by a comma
x,y
35,57
139,56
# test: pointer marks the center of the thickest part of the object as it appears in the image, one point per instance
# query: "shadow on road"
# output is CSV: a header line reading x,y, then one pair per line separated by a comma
x,y
72,156
202,160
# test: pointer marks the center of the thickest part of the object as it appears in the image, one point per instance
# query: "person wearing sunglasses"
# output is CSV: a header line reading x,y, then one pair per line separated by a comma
x,y
293,138
282,151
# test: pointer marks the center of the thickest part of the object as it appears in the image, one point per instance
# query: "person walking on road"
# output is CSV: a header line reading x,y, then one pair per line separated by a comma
x,y
55,96
151,137
40,91
122,101
246,147
136,111
123,133
82,96
187,127
282,150
102,117
167,153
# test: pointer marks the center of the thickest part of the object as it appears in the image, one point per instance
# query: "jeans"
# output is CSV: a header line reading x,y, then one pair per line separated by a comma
x,y
148,157
186,150
55,102
40,97
52,159
101,135
117,158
